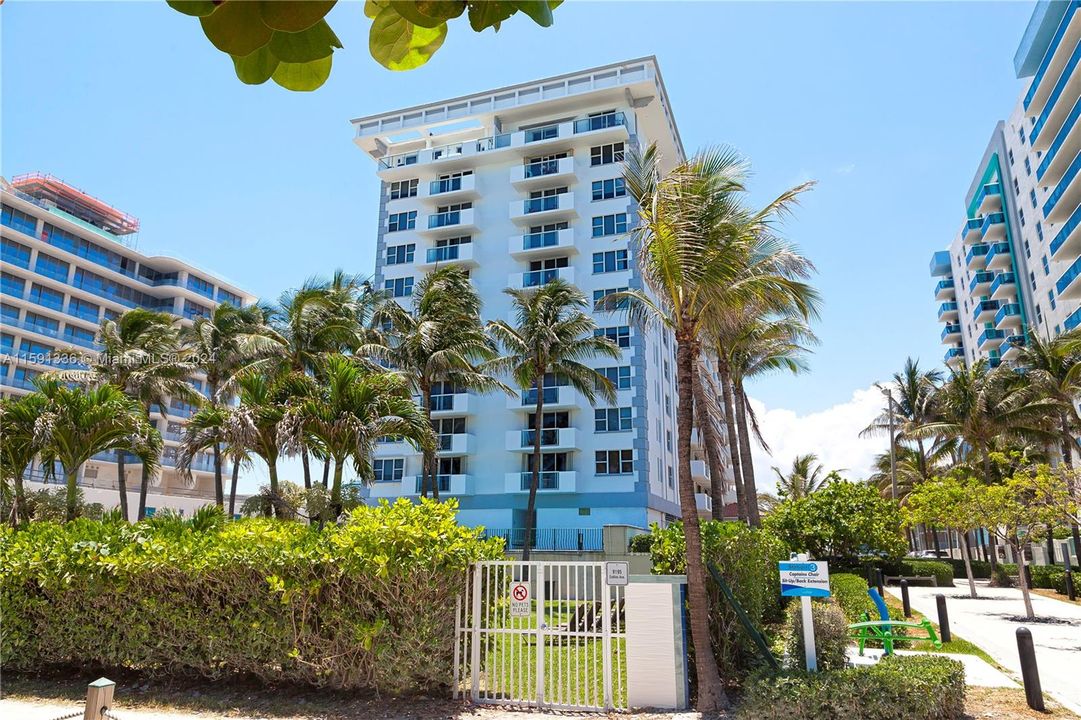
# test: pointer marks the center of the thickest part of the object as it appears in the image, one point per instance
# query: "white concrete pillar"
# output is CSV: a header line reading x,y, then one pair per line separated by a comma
x,y
657,675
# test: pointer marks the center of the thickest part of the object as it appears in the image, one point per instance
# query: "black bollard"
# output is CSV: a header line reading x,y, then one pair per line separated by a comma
x,y
1030,675
1070,593
904,599
878,582
943,619
871,577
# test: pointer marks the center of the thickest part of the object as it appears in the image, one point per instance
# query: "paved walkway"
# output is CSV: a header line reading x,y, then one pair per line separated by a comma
x,y
987,621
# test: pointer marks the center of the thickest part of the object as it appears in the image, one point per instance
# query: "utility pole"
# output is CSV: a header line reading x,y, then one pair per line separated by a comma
x,y
893,454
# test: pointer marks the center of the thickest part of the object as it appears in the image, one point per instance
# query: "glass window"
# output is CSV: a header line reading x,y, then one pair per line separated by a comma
x,y
619,334
388,469
609,261
400,254
614,462
608,189
606,154
400,287
612,419
609,224
619,376
402,221
403,189
600,304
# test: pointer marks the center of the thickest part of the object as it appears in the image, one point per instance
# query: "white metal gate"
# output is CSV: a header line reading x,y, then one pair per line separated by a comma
x,y
563,646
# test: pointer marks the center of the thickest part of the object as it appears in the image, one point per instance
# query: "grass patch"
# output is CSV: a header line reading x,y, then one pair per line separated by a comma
x,y
956,645
1044,592
982,703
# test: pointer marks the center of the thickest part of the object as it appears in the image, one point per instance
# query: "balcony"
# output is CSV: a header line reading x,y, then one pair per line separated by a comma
x,y
947,311
988,199
536,278
951,333
1073,320
456,404
1052,115
447,484
993,227
1067,241
461,254
549,482
453,222
448,190
1008,316
998,257
700,471
456,444
977,256
944,290
551,439
1064,146
954,356
1004,287
1069,285
1053,62
545,171
985,310
551,208
560,397
703,503
394,448
970,233
980,283
1011,347
534,246
940,264
990,338
1066,197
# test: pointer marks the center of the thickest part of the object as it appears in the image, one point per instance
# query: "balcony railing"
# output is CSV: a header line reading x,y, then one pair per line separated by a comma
x,y
1073,320
445,219
545,480
443,254
533,241
539,169
1068,277
1003,280
442,482
1007,311
977,251
1049,105
54,273
551,539
549,436
551,395
943,285
541,204
947,307
18,259
1060,190
953,354
1056,39
446,185
984,306
548,132
978,279
26,227
972,227
1052,151
1066,231
600,122
950,330
988,335
536,278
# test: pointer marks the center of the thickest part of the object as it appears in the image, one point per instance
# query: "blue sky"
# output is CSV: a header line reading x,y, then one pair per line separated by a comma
x,y
887,105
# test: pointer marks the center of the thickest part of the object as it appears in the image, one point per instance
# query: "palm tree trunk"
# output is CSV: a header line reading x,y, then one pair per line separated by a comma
x,y
73,492
122,484
20,513
711,694
307,469
219,487
750,490
968,564
232,487
1067,458
336,488
272,469
733,441
326,473
144,486
713,457
935,543
429,455
534,480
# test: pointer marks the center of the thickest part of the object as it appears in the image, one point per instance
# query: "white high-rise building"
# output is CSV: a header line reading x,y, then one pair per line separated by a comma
x,y
1015,265
70,261
522,184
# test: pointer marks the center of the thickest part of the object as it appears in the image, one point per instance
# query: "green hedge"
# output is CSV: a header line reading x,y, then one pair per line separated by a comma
x,y
897,688
981,569
368,604
941,571
850,592
747,559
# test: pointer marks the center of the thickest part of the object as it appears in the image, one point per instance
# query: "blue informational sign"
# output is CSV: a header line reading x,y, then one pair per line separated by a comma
x,y
804,578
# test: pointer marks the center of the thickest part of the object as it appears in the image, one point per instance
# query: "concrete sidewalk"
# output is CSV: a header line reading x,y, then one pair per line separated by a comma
x,y
989,621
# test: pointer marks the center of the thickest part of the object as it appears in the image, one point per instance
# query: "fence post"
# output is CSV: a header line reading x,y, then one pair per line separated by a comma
x,y
99,698
1030,674
943,618
905,603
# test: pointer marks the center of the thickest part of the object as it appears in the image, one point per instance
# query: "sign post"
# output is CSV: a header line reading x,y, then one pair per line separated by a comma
x,y
805,579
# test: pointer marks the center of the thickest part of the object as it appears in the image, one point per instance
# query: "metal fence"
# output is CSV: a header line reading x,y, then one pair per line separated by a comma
x,y
551,539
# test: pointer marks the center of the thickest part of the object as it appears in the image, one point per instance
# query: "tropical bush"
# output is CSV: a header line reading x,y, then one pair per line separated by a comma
x,y
843,519
282,601
981,569
941,571
747,559
831,635
897,688
850,593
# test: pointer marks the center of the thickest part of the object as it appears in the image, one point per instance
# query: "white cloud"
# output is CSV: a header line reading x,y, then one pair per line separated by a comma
x,y
832,434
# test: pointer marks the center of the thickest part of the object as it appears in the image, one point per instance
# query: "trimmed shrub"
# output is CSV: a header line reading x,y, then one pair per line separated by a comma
x,y
897,688
831,635
850,593
640,543
1048,577
279,600
747,559
981,569
941,571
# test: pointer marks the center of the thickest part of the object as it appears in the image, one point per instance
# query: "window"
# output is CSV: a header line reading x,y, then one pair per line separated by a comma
x,y
612,419
1028,250
1021,134
1032,197
1021,216
556,419
83,309
600,304
1028,167
1016,187
389,469
609,224
606,154
400,254
1032,279
619,376
614,462
403,189
1046,267
1051,299
19,220
45,297
1039,314
619,334
608,189
671,477
1039,230
400,287
668,405
550,462
450,466
51,267
668,440
609,261
1010,154
15,254
402,221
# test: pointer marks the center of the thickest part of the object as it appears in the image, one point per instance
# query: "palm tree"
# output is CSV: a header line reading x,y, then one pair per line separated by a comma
x,y
77,424
702,252
438,341
223,344
346,411
806,476
18,447
1053,368
550,339
141,356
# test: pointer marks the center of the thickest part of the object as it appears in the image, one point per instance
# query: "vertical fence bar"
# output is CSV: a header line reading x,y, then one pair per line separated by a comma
x,y
606,629
475,648
540,632
457,640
